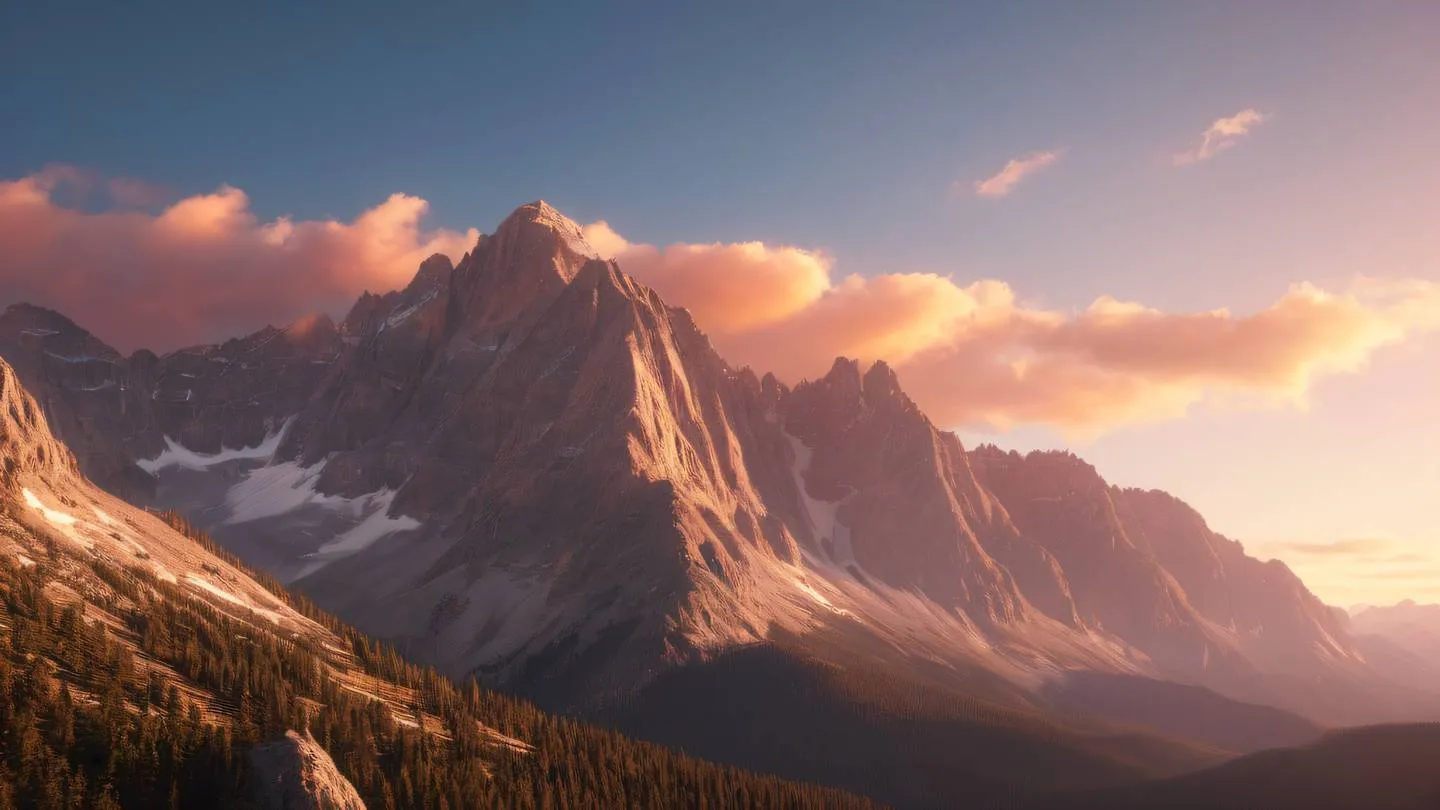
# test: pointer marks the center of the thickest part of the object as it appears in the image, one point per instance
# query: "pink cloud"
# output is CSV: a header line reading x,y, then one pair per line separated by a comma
x,y
205,267
1004,181
731,287
1221,135
971,355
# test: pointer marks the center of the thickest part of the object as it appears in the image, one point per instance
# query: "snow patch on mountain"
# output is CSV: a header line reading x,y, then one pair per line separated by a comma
x,y
211,588
176,454
376,524
63,522
402,314
823,516
276,490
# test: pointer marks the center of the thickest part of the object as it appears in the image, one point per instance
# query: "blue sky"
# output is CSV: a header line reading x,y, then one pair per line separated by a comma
x,y
857,129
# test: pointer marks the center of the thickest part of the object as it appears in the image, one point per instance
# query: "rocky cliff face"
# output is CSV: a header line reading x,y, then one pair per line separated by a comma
x,y
1061,503
579,453
295,773
113,410
527,466
1262,606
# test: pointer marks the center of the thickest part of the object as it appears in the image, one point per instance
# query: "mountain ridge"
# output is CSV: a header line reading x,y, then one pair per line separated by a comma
x,y
598,490
143,666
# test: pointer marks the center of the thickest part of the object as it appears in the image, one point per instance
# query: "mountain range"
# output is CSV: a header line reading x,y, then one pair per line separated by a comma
x,y
143,666
527,468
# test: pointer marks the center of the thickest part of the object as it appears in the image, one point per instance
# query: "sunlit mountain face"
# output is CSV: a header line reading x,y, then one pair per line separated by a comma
x,y
908,407
526,468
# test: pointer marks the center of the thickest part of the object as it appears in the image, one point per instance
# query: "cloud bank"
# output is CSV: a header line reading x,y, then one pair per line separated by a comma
x,y
972,355
204,267
1221,135
1004,181
200,268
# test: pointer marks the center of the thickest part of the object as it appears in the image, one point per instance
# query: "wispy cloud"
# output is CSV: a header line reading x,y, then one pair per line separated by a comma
x,y
1422,574
1004,181
1359,546
1223,134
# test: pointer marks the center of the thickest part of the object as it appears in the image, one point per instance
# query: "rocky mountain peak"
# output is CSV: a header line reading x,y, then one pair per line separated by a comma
x,y
880,380
534,254
313,326
844,374
32,326
539,226
434,273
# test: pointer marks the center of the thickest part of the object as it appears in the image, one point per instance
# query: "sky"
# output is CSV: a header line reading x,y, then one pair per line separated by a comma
x,y
1195,243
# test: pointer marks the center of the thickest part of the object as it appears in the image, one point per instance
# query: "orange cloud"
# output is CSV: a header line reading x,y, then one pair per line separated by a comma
x,y
1221,135
972,355
1004,181
205,267
730,287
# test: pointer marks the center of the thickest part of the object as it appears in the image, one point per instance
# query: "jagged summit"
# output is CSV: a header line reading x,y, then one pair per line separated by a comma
x,y
434,272
537,211
309,324
519,269
536,218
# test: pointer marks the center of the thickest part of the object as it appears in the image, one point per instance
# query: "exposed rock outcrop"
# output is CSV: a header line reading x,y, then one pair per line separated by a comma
x,y
296,773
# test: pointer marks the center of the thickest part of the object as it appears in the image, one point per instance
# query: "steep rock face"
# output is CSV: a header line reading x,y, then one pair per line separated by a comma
x,y
48,510
295,773
390,343
1273,617
907,507
588,481
112,410
1145,567
530,258
26,445
1062,503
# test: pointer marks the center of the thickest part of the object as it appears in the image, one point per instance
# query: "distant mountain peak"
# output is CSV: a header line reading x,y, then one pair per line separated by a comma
x,y
844,369
881,382
434,271
310,324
